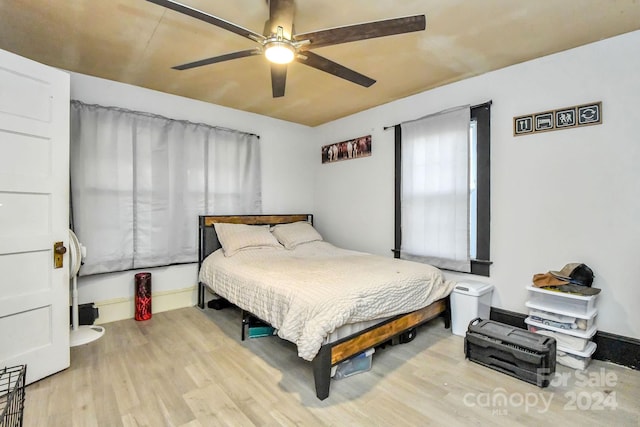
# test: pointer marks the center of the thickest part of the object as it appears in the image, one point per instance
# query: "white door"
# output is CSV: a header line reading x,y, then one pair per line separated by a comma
x,y
34,213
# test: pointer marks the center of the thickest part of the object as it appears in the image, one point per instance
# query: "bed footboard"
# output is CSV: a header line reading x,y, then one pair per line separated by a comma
x,y
333,353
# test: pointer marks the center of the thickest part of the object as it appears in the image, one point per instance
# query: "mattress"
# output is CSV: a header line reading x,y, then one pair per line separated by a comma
x,y
309,292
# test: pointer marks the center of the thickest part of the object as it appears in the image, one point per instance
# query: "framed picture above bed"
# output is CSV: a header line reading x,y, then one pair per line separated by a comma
x,y
347,150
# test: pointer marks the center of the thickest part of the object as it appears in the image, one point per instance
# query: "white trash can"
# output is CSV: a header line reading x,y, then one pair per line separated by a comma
x,y
469,300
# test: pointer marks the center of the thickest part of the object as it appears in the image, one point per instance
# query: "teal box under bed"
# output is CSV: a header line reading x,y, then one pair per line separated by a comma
x,y
261,331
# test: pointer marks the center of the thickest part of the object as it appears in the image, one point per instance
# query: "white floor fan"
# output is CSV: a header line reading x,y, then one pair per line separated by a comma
x,y
80,334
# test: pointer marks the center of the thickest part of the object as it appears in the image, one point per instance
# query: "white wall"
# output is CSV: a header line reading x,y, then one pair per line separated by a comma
x,y
286,184
556,197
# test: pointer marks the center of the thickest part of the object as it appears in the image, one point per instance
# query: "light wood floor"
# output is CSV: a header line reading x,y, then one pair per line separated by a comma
x,y
189,368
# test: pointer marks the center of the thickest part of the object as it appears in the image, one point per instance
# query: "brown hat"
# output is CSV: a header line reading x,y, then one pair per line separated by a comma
x,y
547,279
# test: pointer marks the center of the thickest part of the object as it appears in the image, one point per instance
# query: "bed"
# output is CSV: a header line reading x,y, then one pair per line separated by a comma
x,y
281,271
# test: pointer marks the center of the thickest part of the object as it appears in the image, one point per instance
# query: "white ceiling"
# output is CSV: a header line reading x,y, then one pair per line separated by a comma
x,y
137,42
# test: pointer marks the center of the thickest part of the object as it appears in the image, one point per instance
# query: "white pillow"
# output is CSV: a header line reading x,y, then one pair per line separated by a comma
x,y
236,237
295,233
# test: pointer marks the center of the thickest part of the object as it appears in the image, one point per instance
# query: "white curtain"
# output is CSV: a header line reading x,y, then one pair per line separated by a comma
x,y
435,189
139,182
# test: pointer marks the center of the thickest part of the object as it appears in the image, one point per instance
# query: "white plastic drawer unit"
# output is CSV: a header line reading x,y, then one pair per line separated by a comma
x,y
575,359
574,305
566,341
541,314
588,334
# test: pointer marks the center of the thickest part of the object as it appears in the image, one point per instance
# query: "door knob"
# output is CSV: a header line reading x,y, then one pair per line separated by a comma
x,y
58,251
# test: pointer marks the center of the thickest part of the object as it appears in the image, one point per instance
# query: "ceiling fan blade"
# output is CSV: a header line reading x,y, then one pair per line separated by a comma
x,y
221,58
278,79
203,16
328,66
281,14
368,30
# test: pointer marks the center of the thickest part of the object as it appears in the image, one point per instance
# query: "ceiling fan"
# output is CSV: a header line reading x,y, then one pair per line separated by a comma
x,y
281,45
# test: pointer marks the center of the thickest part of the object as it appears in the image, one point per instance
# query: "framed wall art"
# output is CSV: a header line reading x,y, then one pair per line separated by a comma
x,y
347,150
562,118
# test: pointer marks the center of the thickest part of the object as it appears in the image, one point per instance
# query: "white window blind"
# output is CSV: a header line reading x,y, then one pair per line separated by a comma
x,y
139,182
435,189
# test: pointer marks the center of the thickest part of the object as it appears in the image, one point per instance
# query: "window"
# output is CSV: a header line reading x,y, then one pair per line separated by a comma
x,y
139,182
476,193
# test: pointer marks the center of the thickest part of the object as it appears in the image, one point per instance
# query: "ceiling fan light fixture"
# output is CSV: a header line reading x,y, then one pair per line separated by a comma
x,y
278,49
279,52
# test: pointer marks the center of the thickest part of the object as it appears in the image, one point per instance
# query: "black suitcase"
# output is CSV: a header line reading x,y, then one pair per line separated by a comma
x,y
517,352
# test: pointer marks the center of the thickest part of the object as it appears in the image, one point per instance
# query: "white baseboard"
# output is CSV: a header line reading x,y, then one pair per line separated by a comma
x,y
124,308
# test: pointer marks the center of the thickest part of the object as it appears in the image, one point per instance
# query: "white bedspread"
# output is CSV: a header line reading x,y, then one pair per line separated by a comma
x,y
308,292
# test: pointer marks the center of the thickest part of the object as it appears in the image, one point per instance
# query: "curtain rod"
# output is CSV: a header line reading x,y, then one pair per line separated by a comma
x,y
473,106
143,113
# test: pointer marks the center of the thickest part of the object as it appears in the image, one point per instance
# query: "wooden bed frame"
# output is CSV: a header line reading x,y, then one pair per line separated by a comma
x,y
330,354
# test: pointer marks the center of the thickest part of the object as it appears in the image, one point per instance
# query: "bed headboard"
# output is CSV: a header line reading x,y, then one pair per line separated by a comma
x,y
208,240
